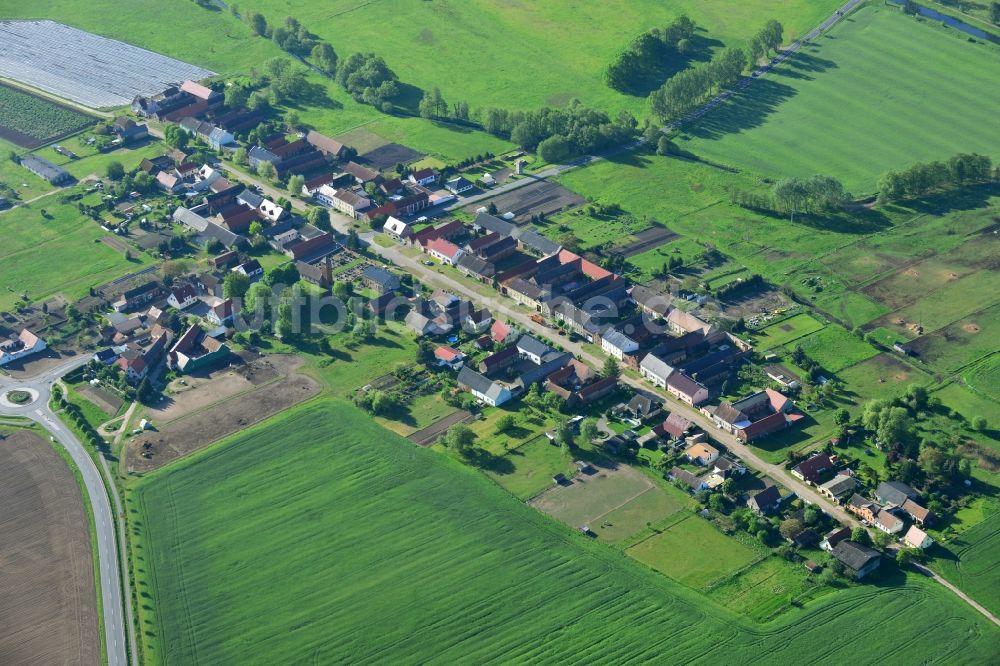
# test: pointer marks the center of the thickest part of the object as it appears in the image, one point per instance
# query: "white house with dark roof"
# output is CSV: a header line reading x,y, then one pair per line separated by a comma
x,y
488,391
655,370
617,344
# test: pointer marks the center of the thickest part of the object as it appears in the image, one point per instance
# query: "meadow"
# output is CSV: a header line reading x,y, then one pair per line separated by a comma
x,y
401,554
786,331
58,252
693,551
527,54
829,109
835,349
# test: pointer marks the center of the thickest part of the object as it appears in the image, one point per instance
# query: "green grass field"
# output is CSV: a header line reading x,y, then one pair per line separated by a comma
x,y
881,91
693,551
985,377
978,557
532,466
526,54
387,552
764,588
787,330
59,255
835,349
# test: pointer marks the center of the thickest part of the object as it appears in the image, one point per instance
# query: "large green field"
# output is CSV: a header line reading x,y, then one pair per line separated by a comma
x,y
55,253
881,91
526,54
321,537
973,560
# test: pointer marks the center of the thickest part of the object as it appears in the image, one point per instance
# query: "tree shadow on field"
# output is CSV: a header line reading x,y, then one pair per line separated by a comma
x,y
802,64
745,110
967,198
488,461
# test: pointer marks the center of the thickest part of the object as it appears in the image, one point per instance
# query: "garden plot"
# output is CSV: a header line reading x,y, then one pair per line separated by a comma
x,y
94,71
387,156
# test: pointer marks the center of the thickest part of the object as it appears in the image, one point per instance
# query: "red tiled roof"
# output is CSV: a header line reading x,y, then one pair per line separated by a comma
x,y
447,354
443,247
499,331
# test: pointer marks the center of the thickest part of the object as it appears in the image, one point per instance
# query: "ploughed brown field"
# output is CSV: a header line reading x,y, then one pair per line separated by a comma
x,y
48,602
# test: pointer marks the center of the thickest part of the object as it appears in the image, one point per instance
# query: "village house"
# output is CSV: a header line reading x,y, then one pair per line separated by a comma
x,y
686,389
833,537
486,390
252,269
888,522
138,296
655,304
477,321
425,177
863,508
444,251
702,454
532,348
458,185
783,376
397,229
449,357
859,560
499,361
765,501
348,202
655,370
25,344
617,344
810,469
362,174
674,427
693,483
839,486
196,350
501,330
182,296
222,313
917,538
128,130
756,416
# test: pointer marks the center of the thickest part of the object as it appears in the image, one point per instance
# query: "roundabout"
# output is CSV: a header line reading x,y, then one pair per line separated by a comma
x,y
18,397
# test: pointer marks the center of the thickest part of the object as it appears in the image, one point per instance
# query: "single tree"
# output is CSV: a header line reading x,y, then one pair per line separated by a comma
x,y
235,285
115,170
611,368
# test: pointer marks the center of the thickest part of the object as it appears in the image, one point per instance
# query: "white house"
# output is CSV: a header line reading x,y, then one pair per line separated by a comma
x,y
655,370
25,344
397,229
686,389
917,538
458,185
219,138
271,210
444,251
618,344
490,392
182,296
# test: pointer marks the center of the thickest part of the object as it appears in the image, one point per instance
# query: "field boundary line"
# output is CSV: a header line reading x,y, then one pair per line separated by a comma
x,y
630,499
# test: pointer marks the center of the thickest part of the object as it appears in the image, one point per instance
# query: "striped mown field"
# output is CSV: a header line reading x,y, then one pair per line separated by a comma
x,y
322,538
881,91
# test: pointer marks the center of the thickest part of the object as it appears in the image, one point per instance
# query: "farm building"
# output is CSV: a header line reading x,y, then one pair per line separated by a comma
x,y
42,168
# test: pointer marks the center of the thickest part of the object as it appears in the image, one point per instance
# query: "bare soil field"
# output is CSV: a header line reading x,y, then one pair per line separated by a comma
x,y
216,406
48,600
387,156
542,197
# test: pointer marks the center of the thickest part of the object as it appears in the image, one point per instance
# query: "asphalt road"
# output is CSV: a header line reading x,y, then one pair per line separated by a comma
x,y
105,523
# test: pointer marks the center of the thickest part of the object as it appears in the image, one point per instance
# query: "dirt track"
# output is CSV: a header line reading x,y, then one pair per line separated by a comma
x,y
48,600
218,407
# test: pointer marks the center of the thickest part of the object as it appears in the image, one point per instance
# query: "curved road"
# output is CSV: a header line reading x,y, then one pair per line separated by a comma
x,y
105,523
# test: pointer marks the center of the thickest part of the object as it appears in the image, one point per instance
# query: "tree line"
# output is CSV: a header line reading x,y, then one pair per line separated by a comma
x,y
650,53
687,89
815,194
926,177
